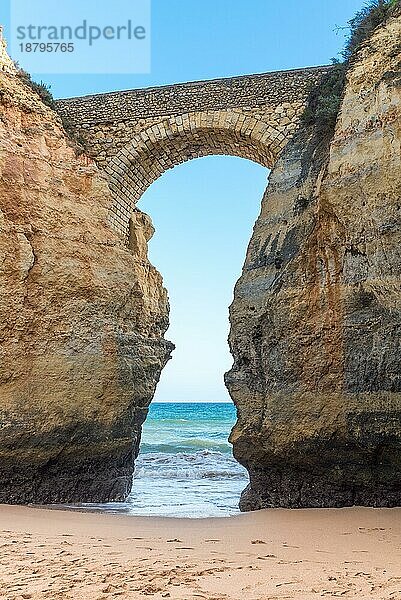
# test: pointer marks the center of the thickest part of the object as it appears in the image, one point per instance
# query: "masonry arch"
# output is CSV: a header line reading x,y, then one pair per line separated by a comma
x,y
181,138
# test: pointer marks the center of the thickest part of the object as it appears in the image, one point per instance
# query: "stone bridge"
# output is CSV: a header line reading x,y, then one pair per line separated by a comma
x,y
136,135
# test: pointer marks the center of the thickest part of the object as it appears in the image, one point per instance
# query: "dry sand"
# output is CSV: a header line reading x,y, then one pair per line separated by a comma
x,y
303,554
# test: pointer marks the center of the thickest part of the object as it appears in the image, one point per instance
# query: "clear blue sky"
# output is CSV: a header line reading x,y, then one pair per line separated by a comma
x,y
204,210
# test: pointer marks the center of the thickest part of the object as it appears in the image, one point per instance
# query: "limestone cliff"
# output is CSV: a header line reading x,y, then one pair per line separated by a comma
x,y
82,318
316,316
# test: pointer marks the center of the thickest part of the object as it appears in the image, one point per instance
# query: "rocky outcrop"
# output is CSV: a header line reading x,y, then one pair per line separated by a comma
x,y
6,64
316,316
82,318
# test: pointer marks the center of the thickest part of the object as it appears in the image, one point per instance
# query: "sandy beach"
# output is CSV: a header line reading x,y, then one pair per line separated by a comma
x,y
303,554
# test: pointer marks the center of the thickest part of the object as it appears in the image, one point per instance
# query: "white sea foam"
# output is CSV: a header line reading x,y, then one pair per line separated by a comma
x,y
185,467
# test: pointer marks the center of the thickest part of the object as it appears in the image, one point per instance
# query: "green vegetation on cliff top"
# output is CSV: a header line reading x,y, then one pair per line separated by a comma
x,y
325,100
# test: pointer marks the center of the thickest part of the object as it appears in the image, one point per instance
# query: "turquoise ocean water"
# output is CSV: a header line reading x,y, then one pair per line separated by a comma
x,y
185,467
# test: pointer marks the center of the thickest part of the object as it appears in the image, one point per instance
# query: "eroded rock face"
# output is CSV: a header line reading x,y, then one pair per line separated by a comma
x,y
82,318
317,312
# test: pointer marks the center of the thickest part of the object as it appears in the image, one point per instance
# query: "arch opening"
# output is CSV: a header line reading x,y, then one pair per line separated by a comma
x,y
203,214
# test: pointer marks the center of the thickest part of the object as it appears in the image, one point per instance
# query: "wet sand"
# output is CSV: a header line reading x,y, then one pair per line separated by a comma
x,y
300,555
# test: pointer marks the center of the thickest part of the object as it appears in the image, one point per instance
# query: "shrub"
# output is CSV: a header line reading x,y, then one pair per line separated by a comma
x,y
41,89
364,23
44,93
325,100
